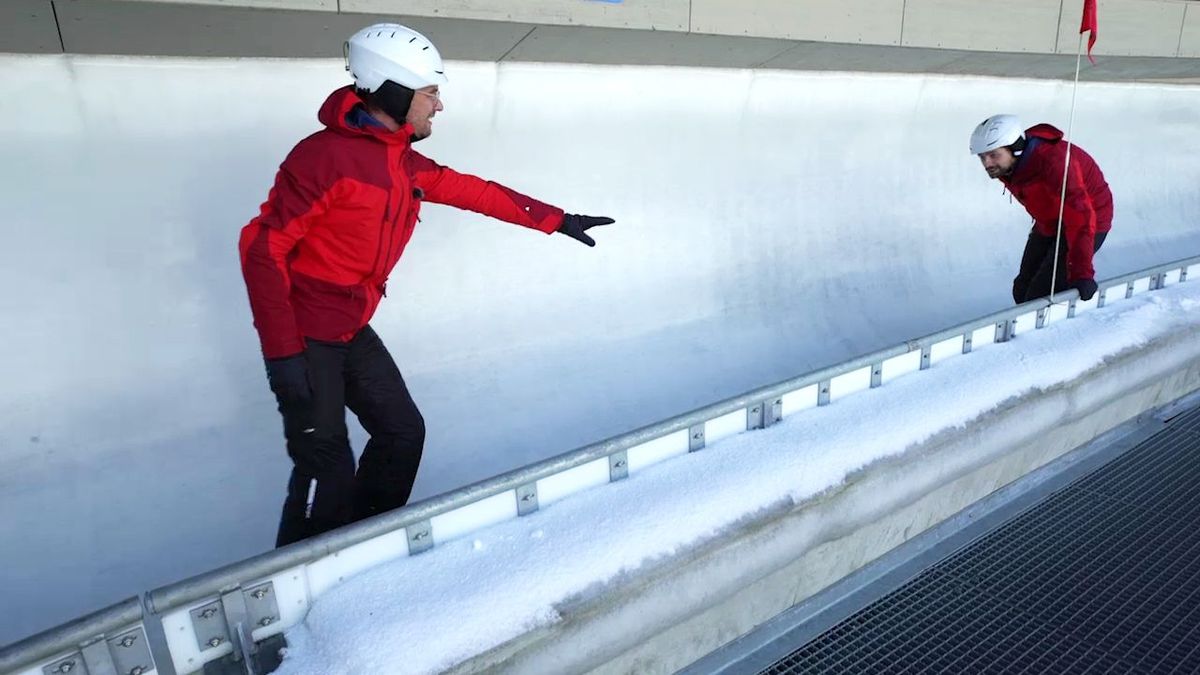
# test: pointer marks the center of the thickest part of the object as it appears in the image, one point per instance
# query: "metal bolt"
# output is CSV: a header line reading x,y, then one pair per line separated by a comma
x,y
259,594
421,535
127,641
208,613
65,667
698,435
137,670
267,621
620,463
215,642
526,497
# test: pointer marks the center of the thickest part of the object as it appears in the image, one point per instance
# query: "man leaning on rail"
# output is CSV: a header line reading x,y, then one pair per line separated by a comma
x,y
316,261
1030,162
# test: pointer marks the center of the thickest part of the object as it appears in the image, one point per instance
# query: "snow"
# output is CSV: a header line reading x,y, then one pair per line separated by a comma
x,y
768,223
469,595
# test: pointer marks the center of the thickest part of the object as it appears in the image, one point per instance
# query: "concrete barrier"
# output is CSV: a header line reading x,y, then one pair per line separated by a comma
x,y
671,613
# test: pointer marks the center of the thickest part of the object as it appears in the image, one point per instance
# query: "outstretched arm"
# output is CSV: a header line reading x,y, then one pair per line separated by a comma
x,y
443,185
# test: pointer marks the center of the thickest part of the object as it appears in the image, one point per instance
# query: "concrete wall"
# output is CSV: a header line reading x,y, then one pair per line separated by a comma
x,y
129,178
1141,39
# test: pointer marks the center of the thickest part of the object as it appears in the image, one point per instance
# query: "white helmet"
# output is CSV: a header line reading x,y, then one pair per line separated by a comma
x,y
996,131
389,51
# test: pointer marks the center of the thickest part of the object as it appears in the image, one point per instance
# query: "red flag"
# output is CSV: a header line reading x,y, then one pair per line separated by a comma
x,y
1089,24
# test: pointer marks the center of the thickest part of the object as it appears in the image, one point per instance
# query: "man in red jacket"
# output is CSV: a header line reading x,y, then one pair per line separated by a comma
x,y
1030,163
316,261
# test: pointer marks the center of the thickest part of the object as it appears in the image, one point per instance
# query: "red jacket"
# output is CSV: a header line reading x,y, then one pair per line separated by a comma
x,y
1037,181
344,205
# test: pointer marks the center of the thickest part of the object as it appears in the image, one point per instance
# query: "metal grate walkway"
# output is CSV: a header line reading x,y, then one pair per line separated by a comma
x,y
1102,576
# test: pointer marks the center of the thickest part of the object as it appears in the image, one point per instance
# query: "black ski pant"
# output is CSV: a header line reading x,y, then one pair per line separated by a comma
x,y
325,491
1037,266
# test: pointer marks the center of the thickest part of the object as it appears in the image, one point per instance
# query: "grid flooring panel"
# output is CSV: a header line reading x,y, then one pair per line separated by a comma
x,y
1189,420
1166,480
1102,576
936,624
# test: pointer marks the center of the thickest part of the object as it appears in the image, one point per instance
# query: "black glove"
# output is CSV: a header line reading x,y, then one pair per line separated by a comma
x,y
288,377
574,226
1020,289
1086,287
289,380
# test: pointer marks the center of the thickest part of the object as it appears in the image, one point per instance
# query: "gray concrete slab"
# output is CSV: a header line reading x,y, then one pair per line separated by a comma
x,y
1189,36
623,47
655,15
28,27
982,26
138,28
310,5
865,58
1127,27
850,21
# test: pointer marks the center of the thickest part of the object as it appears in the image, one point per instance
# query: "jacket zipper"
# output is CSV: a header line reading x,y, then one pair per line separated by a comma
x,y
391,237
387,208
